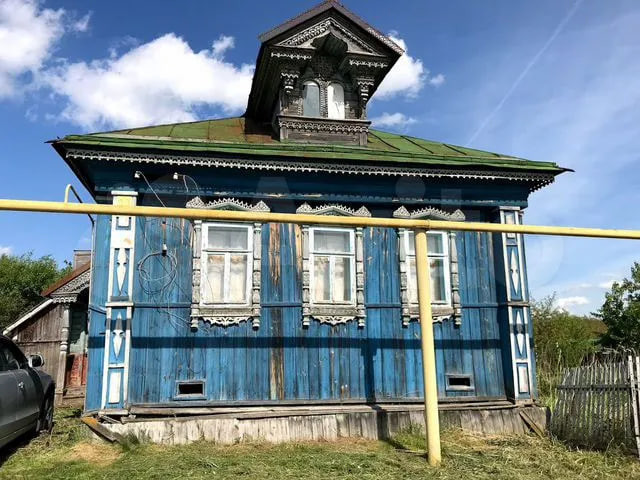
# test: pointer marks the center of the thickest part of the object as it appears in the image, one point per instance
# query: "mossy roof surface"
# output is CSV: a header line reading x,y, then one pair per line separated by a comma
x,y
241,136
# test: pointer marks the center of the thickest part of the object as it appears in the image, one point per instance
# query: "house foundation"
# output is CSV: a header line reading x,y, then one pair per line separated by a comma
x,y
278,424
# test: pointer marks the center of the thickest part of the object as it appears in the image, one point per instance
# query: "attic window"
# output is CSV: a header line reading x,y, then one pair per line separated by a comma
x,y
335,100
311,99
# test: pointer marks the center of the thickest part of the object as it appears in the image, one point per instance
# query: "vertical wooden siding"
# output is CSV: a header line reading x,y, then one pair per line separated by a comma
x,y
282,360
97,312
42,335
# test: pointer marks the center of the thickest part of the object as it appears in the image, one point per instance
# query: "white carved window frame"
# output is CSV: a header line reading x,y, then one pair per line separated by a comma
x,y
452,308
313,252
205,251
333,313
335,109
412,282
227,314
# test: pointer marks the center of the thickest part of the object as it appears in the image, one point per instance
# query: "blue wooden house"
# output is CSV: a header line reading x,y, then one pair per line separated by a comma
x,y
194,317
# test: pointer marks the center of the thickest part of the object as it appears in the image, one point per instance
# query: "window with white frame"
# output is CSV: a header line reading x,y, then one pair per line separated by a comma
x,y
332,260
335,101
438,250
310,99
227,262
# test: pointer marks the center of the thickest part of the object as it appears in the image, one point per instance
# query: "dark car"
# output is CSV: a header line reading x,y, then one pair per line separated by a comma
x,y
26,394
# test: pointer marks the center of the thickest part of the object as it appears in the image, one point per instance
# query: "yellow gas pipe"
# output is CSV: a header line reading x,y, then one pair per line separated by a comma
x,y
422,264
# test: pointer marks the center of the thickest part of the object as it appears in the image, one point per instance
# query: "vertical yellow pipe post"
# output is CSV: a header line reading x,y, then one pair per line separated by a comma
x,y
428,349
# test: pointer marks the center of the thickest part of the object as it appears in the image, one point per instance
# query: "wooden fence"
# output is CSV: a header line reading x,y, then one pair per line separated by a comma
x,y
598,404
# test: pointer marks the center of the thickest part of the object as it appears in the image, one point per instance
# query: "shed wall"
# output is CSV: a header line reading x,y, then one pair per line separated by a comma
x,y
43,335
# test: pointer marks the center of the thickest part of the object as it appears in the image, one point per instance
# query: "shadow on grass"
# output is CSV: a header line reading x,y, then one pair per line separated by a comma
x,y
65,430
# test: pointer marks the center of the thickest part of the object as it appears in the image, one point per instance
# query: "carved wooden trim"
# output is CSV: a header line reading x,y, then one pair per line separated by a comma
x,y
333,314
217,315
430,213
68,293
537,180
306,36
228,204
333,209
410,310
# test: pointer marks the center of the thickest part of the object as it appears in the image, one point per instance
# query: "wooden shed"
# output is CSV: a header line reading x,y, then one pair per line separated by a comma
x,y
57,329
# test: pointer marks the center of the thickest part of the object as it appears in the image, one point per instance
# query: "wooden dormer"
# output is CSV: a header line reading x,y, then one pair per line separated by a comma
x,y
316,73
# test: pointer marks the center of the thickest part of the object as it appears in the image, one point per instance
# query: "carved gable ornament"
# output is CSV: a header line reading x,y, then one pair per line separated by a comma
x,y
315,35
68,293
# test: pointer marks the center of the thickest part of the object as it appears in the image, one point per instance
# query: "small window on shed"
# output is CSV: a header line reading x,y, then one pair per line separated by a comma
x,y
310,99
335,100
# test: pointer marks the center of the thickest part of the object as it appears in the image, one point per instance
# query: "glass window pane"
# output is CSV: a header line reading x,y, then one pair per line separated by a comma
x,y
438,292
411,245
434,243
335,101
238,279
213,281
342,280
331,241
412,280
222,238
311,100
321,287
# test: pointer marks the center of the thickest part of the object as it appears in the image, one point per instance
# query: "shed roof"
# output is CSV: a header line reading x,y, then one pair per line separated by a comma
x,y
240,135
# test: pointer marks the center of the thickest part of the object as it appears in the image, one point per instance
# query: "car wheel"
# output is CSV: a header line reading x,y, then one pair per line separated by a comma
x,y
45,423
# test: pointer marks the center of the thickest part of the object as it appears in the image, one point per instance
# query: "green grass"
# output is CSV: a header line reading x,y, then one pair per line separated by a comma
x,y
69,453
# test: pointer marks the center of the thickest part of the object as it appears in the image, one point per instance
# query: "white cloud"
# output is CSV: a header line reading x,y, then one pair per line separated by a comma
x,y
407,77
5,250
606,285
392,120
221,45
82,24
162,81
437,80
567,302
27,36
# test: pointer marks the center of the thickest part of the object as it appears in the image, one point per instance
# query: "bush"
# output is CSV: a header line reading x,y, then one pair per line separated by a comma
x,y
562,340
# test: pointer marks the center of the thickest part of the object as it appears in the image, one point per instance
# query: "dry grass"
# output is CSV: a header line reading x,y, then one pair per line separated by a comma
x,y
67,453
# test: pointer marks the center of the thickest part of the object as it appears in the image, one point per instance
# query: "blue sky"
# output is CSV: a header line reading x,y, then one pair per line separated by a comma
x,y
553,80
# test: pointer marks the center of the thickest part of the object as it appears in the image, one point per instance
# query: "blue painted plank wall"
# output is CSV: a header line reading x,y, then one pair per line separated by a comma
x,y
97,313
282,361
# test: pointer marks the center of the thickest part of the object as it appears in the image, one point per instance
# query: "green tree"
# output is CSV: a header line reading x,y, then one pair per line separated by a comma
x,y
621,312
22,279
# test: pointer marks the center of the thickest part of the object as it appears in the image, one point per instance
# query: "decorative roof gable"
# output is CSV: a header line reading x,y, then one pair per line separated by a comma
x,y
325,46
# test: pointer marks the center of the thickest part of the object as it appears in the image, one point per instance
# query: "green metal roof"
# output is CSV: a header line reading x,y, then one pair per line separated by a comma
x,y
242,136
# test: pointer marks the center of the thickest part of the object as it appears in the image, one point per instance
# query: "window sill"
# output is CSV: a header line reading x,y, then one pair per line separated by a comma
x,y
332,314
439,313
225,315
